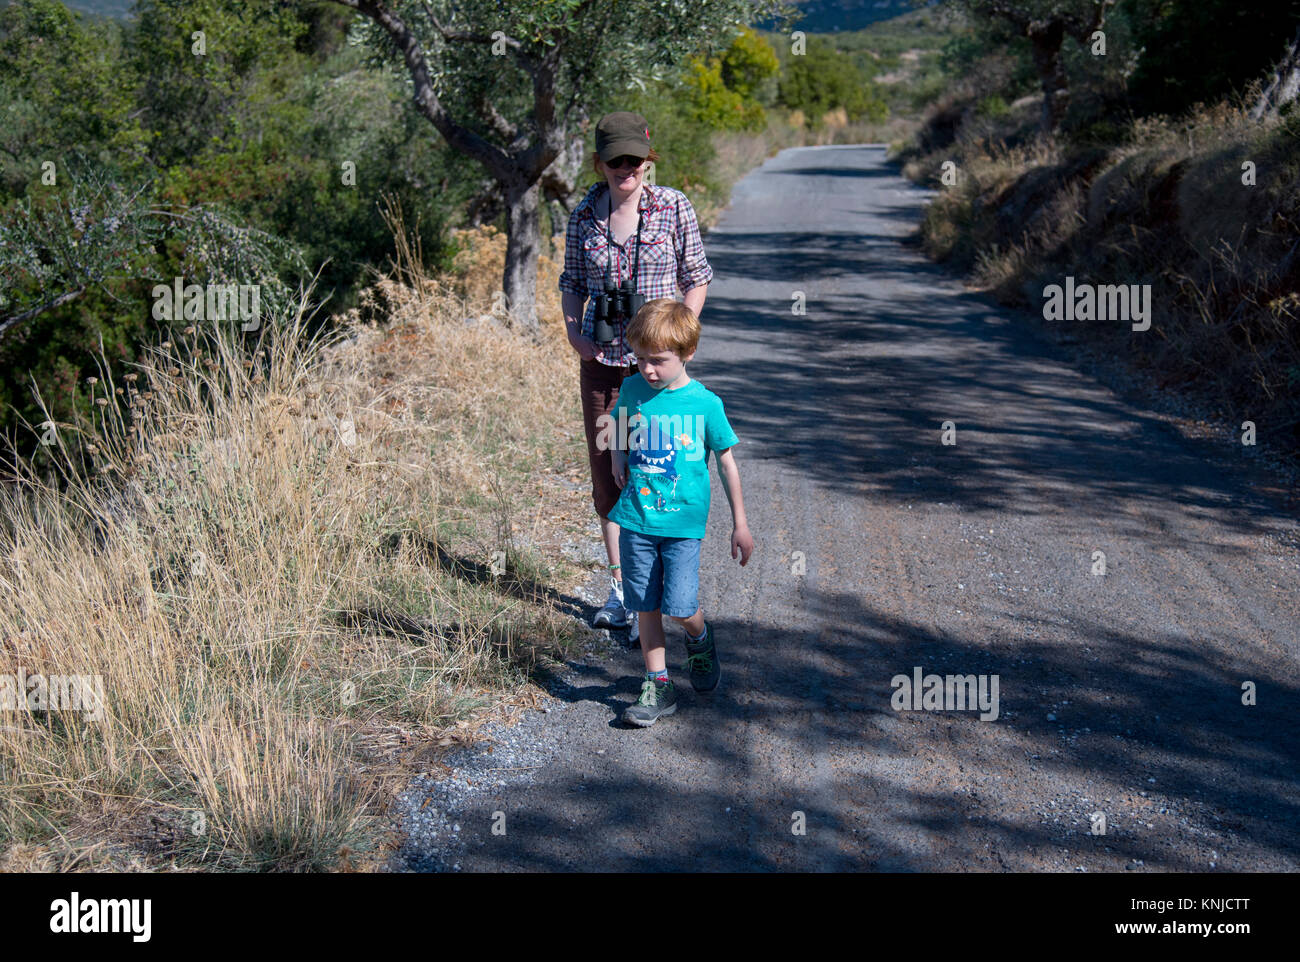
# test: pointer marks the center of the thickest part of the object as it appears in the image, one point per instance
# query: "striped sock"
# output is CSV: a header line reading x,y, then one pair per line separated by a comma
x,y
658,677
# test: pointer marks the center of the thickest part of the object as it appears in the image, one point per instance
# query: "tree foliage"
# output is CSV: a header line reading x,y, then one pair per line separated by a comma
x,y
724,90
513,87
198,61
111,181
62,89
750,67
1200,50
824,78
1046,24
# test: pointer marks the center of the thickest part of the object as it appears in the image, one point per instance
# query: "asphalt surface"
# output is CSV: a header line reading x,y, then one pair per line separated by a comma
x,y
1119,694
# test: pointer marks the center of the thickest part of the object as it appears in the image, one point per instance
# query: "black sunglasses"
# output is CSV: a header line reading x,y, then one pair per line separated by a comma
x,y
627,160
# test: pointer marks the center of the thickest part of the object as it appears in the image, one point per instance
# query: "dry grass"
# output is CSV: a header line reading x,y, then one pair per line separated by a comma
x,y
284,568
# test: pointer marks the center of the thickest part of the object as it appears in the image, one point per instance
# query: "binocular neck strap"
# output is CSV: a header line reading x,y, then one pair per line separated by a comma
x,y
636,251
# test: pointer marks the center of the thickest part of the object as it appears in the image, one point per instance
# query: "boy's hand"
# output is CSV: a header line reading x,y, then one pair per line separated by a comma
x,y
743,541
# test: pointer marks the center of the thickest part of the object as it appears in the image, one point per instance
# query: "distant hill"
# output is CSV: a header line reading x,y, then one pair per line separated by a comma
x,y
833,16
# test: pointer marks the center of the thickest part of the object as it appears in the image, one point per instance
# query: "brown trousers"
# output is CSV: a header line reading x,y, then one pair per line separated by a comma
x,y
600,385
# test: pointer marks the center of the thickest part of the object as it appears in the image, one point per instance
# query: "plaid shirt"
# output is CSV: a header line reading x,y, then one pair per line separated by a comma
x,y
671,257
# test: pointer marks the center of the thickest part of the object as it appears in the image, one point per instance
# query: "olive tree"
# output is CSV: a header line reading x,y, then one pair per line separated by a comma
x,y
512,85
1046,24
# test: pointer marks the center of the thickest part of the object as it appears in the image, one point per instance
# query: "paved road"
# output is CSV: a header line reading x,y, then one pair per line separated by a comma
x,y
1119,694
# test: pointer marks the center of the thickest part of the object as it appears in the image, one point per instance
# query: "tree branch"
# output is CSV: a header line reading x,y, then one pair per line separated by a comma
x,y
504,128
426,99
1081,28
1282,86
9,322
550,137
467,35
517,49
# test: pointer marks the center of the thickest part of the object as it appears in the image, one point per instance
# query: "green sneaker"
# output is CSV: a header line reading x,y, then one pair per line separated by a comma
x,y
656,699
702,662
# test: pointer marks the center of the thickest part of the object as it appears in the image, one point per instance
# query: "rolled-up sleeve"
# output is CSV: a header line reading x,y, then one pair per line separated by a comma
x,y
573,279
692,266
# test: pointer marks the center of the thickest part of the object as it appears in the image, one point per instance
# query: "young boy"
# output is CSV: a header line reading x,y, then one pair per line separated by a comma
x,y
665,425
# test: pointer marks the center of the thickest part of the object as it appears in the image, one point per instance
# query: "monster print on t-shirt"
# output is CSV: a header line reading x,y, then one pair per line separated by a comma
x,y
668,437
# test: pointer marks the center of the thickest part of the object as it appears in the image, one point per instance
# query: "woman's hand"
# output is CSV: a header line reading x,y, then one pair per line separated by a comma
x,y
585,346
618,466
571,305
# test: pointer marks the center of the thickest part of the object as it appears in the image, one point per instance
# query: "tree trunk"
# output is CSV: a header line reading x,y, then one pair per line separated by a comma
x,y
518,169
1047,38
523,242
562,180
1285,85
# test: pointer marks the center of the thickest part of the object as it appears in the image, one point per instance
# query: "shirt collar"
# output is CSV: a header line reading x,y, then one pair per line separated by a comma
x,y
649,197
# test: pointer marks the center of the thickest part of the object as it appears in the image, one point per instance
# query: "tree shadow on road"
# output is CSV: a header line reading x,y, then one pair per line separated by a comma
x,y
856,392
1150,731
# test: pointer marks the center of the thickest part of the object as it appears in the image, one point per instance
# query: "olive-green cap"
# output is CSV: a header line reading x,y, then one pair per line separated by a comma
x,y
622,133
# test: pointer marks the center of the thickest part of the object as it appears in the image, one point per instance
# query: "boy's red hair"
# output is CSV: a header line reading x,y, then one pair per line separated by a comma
x,y
664,325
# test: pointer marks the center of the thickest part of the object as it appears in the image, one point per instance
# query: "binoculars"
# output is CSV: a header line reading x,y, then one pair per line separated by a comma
x,y
613,303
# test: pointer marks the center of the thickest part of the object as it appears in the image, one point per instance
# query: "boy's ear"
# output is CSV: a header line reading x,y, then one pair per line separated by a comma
x,y
687,358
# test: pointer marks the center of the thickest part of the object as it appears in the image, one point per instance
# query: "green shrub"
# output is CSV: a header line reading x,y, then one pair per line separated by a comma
x,y
824,78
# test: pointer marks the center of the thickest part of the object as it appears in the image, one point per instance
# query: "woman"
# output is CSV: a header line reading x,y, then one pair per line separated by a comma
x,y
624,228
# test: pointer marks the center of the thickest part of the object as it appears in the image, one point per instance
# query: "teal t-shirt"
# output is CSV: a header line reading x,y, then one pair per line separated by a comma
x,y
669,437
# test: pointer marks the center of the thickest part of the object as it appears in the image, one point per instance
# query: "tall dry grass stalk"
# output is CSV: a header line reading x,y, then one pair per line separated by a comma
x,y
249,557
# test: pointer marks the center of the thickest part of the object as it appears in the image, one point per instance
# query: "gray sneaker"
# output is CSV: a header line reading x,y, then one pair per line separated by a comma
x,y
656,699
702,662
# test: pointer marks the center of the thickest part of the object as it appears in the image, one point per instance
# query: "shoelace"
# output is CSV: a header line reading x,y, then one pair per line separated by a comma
x,y
699,662
649,697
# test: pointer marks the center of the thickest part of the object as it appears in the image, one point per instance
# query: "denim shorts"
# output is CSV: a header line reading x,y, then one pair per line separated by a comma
x,y
659,572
